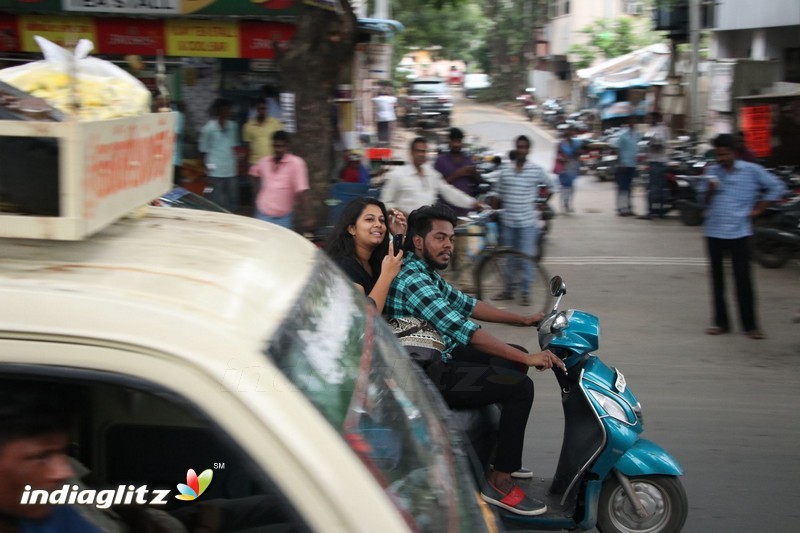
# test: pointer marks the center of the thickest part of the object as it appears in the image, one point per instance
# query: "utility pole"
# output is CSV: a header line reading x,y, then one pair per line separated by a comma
x,y
695,125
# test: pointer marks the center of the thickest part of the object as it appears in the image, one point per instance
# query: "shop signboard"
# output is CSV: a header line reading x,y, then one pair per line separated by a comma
x,y
259,38
202,38
126,7
130,36
64,31
275,9
379,57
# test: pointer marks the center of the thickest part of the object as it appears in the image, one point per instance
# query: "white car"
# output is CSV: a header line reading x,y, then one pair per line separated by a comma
x,y
213,342
474,83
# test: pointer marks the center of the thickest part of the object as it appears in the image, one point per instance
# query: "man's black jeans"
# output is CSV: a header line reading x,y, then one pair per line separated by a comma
x,y
739,250
473,378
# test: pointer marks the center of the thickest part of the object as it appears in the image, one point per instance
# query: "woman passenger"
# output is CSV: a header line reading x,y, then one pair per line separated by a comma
x,y
361,246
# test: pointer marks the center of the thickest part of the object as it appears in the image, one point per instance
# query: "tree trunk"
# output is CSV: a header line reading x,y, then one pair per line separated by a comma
x,y
310,64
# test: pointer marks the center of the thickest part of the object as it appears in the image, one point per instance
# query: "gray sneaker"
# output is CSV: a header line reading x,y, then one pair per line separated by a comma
x,y
522,473
515,501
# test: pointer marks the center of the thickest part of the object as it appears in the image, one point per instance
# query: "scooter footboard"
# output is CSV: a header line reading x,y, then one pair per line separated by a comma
x,y
646,457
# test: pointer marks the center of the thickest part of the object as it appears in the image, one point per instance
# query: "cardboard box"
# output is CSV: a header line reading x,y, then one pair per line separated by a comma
x,y
106,169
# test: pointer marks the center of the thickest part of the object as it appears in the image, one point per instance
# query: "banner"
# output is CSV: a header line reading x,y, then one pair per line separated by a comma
x,y
9,34
258,38
277,8
130,36
202,38
756,123
127,7
64,31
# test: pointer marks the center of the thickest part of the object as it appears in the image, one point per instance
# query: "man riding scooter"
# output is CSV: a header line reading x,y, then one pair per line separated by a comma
x,y
476,368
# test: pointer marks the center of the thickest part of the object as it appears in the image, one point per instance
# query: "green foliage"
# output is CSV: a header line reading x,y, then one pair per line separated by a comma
x,y
610,38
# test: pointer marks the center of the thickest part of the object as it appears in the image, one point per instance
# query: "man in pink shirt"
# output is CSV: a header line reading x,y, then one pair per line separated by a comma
x,y
284,183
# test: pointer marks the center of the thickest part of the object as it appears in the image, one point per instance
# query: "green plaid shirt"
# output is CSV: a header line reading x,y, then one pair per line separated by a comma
x,y
420,291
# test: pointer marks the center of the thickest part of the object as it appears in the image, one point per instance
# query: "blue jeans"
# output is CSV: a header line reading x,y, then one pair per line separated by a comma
x,y
286,221
523,240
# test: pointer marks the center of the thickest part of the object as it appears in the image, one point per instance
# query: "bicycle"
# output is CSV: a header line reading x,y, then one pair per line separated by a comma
x,y
490,264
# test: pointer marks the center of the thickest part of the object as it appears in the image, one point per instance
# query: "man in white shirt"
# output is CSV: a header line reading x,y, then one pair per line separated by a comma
x,y
409,189
384,114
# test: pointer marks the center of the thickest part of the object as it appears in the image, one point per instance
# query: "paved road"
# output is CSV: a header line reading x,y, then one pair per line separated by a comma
x,y
726,407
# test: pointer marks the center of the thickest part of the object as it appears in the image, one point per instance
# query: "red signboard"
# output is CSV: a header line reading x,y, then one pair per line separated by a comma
x,y
9,34
259,38
130,36
756,123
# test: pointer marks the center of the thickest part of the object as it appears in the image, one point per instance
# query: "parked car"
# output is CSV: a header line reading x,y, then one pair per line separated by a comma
x,y
428,103
202,341
474,83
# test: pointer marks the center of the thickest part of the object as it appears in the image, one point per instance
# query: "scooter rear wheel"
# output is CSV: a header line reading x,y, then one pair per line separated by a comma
x,y
663,498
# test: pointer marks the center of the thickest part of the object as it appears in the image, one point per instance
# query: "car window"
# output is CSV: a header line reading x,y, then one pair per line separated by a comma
x,y
429,87
345,359
127,434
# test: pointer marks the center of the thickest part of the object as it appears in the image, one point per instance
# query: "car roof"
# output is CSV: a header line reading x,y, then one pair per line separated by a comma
x,y
235,274
429,80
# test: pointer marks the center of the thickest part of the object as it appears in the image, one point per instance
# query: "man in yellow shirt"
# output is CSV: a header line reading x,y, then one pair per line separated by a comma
x,y
257,136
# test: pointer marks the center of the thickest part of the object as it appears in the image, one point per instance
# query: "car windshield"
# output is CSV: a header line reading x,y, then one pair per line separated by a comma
x,y
345,359
429,87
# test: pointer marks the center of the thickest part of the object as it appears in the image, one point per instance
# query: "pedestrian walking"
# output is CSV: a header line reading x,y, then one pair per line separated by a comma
x,y
284,185
218,139
735,192
385,114
567,166
627,152
257,136
518,186
657,156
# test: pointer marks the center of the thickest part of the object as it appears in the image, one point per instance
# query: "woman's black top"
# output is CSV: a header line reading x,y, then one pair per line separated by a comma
x,y
357,274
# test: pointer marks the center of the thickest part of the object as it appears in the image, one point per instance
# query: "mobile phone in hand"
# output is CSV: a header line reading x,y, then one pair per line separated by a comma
x,y
397,243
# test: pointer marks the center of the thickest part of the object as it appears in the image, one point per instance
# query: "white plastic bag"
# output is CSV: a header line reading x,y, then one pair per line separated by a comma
x,y
102,89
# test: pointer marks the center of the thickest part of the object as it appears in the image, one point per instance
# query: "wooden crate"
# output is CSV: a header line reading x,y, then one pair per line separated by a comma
x,y
106,169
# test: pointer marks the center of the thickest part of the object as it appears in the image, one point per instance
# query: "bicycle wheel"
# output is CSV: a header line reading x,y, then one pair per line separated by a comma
x,y
494,270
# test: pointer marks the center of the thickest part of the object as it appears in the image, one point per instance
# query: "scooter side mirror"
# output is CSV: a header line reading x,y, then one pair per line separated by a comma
x,y
557,286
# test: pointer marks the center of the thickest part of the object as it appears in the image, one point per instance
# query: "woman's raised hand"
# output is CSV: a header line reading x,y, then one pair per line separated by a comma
x,y
391,264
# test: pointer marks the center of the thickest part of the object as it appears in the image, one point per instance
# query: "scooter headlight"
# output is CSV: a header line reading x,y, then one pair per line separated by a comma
x,y
610,406
560,323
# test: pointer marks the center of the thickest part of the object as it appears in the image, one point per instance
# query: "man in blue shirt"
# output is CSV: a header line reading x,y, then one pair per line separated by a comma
x,y
627,150
734,193
476,368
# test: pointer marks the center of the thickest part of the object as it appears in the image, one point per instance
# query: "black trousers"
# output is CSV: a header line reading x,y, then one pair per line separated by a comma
x,y
739,250
473,379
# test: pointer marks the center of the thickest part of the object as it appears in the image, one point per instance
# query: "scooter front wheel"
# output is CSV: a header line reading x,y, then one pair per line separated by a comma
x,y
662,497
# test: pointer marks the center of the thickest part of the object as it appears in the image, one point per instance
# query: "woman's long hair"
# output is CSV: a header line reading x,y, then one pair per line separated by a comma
x,y
341,244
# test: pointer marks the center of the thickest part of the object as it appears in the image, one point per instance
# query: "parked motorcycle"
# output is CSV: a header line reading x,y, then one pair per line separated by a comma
x,y
552,111
528,101
776,234
607,476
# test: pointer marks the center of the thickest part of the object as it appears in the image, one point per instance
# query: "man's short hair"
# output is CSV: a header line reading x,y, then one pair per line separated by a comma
x,y
420,221
523,138
33,409
417,140
456,134
724,140
280,136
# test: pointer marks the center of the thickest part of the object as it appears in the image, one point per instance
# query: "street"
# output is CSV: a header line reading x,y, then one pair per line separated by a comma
x,y
723,406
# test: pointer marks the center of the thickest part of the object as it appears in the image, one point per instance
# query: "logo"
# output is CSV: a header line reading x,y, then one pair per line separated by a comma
x,y
195,485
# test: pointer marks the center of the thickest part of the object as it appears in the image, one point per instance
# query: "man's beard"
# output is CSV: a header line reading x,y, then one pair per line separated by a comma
x,y
432,262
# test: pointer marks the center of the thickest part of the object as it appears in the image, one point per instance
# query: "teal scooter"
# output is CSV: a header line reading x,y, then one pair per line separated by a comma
x,y
607,477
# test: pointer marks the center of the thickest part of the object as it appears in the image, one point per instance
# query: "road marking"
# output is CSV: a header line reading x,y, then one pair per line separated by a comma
x,y
661,261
